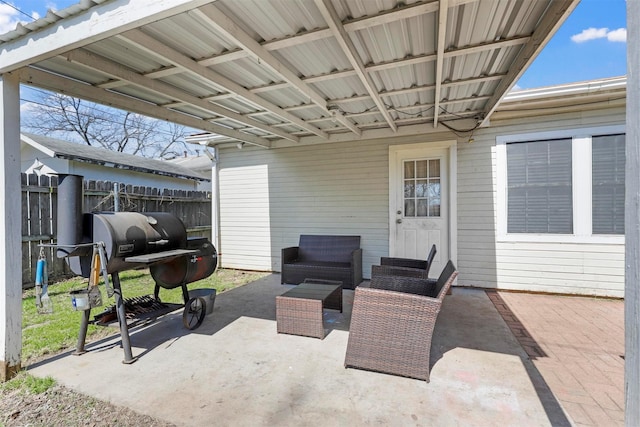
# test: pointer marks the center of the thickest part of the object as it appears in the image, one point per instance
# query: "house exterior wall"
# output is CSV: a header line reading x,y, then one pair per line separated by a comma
x,y
269,197
485,259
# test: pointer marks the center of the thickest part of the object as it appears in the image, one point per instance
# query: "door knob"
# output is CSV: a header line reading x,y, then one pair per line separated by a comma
x,y
399,220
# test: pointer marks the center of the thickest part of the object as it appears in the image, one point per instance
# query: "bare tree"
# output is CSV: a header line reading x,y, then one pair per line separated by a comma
x,y
96,125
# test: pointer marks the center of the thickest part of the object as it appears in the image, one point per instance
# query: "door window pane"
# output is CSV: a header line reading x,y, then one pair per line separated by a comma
x,y
409,170
409,207
607,184
409,189
434,168
421,169
422,188
539,187
422,207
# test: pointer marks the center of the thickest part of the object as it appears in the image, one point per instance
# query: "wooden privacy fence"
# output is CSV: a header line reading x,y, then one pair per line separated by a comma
x,y
39,214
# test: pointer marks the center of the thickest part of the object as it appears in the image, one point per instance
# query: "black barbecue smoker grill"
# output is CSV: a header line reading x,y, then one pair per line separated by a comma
x,y
106,243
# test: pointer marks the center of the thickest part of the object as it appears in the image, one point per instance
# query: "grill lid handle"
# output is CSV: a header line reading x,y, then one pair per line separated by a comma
x,y
161,242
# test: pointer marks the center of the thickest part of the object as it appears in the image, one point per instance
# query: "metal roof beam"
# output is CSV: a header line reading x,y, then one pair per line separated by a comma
x,y
404,62
554,16
403,123
331,17
455,83
161,50
442,35
229,29
317,34
468,50
96,62
71,87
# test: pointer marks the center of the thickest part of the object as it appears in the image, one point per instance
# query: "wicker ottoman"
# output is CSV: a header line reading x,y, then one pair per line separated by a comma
x,y
299,310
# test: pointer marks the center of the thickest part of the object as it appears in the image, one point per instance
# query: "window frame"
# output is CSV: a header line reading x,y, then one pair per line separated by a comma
x,y
429,179
581,183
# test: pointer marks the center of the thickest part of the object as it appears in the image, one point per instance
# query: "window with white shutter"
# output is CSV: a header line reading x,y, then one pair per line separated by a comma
x,y
539,190
563,185
607,183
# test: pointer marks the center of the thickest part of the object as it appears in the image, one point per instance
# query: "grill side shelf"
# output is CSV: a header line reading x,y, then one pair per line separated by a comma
x,y
160,256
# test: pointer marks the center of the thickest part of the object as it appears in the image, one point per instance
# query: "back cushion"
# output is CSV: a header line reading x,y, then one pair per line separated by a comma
x,y
327,248
449,269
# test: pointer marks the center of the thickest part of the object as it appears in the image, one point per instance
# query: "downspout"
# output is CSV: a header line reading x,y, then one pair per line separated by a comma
x,y
215,200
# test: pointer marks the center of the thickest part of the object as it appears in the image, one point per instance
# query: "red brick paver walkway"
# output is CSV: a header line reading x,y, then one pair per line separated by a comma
x,y
577,345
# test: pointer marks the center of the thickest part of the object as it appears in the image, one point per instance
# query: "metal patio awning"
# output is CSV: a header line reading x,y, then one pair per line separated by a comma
x,y
276,73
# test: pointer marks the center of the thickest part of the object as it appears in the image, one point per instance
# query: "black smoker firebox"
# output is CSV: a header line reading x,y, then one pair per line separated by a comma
x,y
130,240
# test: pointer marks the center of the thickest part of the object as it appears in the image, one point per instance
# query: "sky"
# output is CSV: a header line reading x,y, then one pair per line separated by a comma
x,y
591,44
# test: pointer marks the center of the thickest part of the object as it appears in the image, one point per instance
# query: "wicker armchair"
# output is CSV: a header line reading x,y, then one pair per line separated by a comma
x,y
411,263
391,330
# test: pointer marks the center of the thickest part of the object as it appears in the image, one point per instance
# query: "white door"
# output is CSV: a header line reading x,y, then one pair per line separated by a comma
x,y
419,201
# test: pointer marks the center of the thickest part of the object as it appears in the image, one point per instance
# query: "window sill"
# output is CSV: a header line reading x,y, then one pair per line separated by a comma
x,y
561,238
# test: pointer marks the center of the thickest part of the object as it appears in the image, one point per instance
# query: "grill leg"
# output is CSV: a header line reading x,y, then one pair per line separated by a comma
x,y
122,320
82,335
185,293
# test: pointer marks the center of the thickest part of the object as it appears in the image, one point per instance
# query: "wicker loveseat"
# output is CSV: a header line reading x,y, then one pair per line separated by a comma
x,y
392,323
323,257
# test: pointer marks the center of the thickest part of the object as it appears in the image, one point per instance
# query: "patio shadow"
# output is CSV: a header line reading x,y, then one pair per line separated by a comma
x,y
470,325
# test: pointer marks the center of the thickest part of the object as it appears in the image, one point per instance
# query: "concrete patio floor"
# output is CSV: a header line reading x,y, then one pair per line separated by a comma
x,y
236,370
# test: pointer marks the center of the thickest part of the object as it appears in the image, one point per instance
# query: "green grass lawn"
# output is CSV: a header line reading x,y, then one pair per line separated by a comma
x,y
47,334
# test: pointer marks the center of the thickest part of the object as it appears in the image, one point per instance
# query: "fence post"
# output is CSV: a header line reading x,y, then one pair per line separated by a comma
x,y
116,197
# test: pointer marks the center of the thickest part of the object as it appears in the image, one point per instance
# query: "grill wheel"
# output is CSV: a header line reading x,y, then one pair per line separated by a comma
x,y
194,312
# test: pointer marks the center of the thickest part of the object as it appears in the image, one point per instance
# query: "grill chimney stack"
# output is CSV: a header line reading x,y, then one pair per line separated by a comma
x,y
69,215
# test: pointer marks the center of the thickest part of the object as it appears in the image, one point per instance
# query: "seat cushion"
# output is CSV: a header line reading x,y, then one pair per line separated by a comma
x,y
324,264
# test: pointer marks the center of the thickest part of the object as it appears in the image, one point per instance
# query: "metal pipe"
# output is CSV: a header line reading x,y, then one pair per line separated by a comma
x,y
69,231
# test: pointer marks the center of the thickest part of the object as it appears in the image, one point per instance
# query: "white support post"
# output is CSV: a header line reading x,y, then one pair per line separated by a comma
x,y
632,220
215,201
10,228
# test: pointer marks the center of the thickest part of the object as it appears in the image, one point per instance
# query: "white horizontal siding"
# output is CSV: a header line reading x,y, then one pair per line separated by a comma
x,y
244,199
269,197
592,269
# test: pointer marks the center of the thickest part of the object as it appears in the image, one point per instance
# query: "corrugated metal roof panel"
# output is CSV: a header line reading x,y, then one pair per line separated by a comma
x,y
61,66
52,17
269,20
315,58
247,73
189,35
296,48
127,54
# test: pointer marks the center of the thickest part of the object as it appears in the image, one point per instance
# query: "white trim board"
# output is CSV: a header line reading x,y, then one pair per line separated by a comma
x,y
445,145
